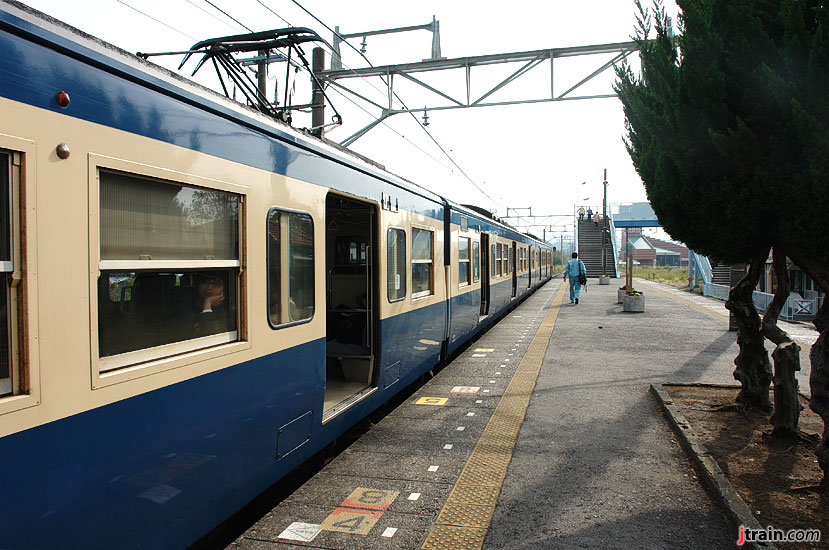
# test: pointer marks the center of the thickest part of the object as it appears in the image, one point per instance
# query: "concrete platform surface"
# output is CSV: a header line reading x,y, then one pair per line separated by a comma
x,y
560,446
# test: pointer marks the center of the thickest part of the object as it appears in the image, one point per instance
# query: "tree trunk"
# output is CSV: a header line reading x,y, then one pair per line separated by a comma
x,y
819,384
786,357
787,406
819,356
753,366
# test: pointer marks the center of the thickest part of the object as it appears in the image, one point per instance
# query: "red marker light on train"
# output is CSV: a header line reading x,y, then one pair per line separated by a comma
x,y
62,98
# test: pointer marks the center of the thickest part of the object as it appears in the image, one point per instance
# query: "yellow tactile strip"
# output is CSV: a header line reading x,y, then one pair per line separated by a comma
x,y
464,519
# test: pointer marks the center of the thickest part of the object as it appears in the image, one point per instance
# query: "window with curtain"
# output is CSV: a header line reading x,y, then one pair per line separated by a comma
x,y
422,273
476,261
7,266
463,261
499,251
511,258
169,263
396,265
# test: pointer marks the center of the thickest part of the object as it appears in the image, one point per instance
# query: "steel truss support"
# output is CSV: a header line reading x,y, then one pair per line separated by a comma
x,y
531,60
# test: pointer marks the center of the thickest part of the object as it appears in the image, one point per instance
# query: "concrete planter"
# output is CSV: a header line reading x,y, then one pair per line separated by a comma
x,y
604,280
620,296
634,304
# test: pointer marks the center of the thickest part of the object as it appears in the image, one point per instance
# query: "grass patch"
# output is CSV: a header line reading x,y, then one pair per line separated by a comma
x,y
674,276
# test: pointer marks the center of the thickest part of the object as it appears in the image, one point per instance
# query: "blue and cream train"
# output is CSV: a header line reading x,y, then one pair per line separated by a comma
x,y
196,299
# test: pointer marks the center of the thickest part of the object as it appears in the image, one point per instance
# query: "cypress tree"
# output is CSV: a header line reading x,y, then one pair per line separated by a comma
x,y
727,127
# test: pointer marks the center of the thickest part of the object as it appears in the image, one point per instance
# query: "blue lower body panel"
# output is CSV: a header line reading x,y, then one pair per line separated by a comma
x,y
160,469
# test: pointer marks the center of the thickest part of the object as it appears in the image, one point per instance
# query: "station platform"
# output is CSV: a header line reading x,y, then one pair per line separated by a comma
x,y
542,434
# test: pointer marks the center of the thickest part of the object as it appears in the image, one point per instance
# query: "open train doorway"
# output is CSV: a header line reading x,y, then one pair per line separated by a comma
x,y
485,265
513,267
351,315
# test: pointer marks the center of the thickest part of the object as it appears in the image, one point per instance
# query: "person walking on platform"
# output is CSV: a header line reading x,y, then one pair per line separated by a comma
x,y
589,213
578,274
581,213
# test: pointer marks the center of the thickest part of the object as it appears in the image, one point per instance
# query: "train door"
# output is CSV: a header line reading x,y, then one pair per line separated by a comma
x,y
351,314
513,265
530,256
484,274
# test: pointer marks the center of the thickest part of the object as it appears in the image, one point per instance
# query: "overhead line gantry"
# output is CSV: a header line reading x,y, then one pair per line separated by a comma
x,y
530,60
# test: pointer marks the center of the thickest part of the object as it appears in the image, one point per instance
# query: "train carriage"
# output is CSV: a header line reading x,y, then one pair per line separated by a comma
x,y
198,298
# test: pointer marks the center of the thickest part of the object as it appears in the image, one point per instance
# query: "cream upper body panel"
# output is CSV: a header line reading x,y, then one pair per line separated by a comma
x,y
62,262
407,221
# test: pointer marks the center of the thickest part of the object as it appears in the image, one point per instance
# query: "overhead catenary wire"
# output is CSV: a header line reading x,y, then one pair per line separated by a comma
x,y
222,21
148,16
428,133
402,103
413,144
229,16
273,12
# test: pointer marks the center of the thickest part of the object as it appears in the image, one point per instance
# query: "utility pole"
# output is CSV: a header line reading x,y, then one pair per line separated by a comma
x,y
317,97
561,248
605,227
262,74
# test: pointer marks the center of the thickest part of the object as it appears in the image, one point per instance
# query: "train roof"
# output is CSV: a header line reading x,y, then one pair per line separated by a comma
x,y
24,20
477,212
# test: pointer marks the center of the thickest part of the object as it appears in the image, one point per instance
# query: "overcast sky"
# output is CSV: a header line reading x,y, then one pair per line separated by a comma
x,y
517,156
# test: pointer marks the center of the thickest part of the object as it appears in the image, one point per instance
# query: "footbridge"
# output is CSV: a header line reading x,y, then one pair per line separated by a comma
x,y
710,278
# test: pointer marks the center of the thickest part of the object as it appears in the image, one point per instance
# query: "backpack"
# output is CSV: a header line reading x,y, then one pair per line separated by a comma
x,y
582,274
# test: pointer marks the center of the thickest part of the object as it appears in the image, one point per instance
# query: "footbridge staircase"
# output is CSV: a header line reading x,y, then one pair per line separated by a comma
x,y
591,251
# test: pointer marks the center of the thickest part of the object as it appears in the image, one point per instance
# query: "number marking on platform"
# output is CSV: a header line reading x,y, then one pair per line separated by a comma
x,y
432,401
347,520
370,499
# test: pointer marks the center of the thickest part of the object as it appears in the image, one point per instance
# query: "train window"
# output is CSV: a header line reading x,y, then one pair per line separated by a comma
x,y
499,259
7,266
463,261
492,267
290,267
511,258
476,261
505,260
396,268
169,262
422,278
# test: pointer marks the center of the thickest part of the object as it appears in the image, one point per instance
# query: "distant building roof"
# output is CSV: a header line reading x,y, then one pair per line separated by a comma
x,y
638,214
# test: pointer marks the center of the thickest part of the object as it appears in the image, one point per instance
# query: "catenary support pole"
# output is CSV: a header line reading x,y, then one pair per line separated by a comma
x,y
318,98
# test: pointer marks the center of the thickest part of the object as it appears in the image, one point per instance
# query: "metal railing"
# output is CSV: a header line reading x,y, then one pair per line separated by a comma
x,y
795,308
802,309
716,291
614,245
703,269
